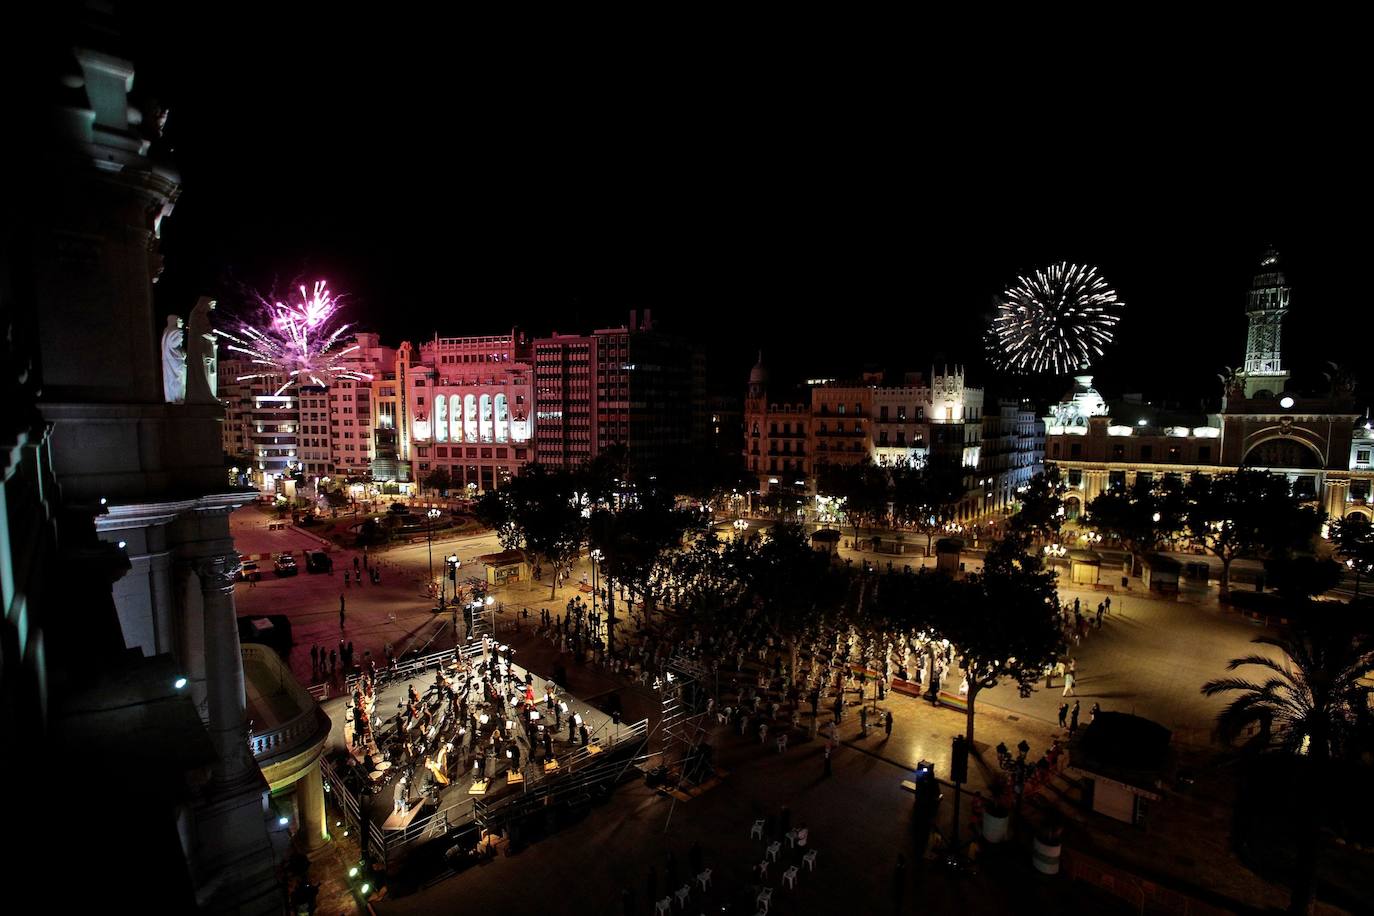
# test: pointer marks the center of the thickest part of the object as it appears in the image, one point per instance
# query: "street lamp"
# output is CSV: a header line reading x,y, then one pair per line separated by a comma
x,y
596,556
433,514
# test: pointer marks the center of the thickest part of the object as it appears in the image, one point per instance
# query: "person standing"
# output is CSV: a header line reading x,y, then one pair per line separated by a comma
x,y
1069,681
1073,717
314,659
1063,714
1092,713
341,613
828,746
887,723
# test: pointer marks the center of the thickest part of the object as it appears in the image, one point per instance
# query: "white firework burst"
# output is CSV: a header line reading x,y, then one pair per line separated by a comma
x,y
1057,319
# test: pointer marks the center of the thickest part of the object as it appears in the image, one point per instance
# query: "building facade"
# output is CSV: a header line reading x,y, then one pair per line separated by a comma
x,y
471,400
633,387
1321,443
121,636
848,422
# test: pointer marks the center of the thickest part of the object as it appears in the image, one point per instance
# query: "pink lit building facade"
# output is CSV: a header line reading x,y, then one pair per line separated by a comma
x,y
466,406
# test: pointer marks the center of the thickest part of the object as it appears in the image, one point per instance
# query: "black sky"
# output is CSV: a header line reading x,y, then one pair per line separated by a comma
x,y
834,215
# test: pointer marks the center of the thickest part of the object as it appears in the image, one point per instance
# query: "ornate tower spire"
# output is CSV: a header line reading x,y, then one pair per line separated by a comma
x,y
1266,306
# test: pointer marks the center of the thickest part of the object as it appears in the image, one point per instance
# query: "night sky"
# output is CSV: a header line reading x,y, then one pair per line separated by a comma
x,y
835,219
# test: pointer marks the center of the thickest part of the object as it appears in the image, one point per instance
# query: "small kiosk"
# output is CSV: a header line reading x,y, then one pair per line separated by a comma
x,y
1085,567
947,552
1124,759
1160,574
827,541
506,566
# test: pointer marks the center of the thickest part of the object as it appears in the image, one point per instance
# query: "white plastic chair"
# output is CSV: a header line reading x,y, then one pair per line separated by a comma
x,y
704,879
810,860
757,829
682,894
765,898
664,906
789,877
773,849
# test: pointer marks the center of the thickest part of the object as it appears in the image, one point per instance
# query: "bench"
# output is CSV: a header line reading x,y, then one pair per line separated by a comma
x,y
953,700
909,688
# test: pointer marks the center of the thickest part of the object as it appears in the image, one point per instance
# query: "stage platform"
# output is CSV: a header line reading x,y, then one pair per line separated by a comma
x,y
378,805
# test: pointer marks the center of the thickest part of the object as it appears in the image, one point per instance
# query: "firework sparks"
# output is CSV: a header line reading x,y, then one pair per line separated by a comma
x,y
297,342
1055,320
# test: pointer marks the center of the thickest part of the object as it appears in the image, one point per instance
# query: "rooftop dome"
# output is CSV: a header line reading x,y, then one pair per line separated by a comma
x,y
758,375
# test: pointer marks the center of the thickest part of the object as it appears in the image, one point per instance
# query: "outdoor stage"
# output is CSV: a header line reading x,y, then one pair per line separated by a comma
x,y
371,795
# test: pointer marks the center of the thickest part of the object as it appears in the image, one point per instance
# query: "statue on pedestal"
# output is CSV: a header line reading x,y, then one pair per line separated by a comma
x,y
202,353
174,361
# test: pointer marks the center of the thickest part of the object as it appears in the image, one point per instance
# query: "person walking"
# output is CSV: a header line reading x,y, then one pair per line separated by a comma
x,y
341,613
1073,717
828,746
1069,681
887,724
1100,608
1092,713
1063,714
314,658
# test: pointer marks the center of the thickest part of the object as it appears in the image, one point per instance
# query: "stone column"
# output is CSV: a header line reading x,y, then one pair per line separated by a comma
x,y
310,804
223,670
1337,489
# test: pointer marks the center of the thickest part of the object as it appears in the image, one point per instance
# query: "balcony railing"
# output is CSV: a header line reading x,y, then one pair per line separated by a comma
x,y
298,732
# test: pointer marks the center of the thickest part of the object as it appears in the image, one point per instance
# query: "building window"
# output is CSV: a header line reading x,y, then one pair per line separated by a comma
x,y
1075,449
1204,453
1118,452
1075,477
1362,456
1147,452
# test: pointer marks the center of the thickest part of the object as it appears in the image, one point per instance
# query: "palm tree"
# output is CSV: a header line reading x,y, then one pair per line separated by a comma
x,y
1308,706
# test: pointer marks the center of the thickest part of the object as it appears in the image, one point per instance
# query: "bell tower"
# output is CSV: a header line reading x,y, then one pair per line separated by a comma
x,y
1266,307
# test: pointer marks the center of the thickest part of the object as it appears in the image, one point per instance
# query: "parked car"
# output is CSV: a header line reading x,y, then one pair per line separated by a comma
x,y
285,565
319,562
249,572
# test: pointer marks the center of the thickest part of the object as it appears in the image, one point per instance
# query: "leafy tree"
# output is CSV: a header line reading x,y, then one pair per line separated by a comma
x,y
792,583
634,541
1246,514
1042,506
439,480
1309,707
924,497
1353,538
1141,518
1004,621
863,487
540,513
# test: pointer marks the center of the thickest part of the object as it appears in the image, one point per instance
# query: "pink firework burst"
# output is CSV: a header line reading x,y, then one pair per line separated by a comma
x,y
297,341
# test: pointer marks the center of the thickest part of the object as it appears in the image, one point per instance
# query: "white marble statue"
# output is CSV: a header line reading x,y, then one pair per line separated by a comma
x,y
174,361
202,353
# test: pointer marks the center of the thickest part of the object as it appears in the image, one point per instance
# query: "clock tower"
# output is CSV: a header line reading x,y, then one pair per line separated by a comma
x,y
1264,374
